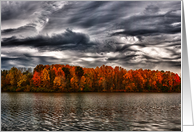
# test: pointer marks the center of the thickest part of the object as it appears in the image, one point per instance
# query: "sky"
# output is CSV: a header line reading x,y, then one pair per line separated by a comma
x,y
130,34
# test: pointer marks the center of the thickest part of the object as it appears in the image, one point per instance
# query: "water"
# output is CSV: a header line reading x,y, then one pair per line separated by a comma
x,y
91,111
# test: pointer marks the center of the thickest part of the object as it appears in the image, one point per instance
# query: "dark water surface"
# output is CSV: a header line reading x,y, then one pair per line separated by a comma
x,y
91,111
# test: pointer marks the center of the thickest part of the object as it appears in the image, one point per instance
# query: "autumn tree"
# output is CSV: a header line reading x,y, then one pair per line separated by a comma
x,y
52,76
22,80
45,78
82,83
36,79
74,84
128,81
60,72
66,78
177,80
39,68
66,71
14,76
4,80
59,82
79,73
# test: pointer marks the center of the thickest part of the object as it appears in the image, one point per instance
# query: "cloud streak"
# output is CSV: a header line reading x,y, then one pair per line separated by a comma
x,y
65,41
121,33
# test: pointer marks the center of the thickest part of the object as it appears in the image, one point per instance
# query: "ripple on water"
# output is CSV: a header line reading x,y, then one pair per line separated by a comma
x,y
90,112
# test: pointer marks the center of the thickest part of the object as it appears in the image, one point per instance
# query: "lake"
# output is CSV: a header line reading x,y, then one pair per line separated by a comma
x,y
91,111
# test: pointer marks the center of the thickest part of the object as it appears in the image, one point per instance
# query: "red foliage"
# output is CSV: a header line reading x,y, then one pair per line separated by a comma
x,y
36,79
104,78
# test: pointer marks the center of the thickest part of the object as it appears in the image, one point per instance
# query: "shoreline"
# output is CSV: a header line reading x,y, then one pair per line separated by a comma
x,y
84,92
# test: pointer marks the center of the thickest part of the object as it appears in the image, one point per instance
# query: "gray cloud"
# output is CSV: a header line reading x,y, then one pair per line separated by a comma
x,y
147,25
17,10
124,33
64,41
151,9
27,30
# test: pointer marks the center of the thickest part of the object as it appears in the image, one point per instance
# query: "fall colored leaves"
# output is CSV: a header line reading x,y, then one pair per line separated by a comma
x,y
65,78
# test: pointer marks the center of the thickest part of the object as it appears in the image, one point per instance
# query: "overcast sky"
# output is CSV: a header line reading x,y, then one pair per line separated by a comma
x,y
132,35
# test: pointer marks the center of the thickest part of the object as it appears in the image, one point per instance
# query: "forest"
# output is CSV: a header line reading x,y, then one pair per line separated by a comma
x,y
66,78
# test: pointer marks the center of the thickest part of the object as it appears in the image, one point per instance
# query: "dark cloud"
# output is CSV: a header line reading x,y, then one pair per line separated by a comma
x,y
147,25
86,14
175,44
7,62
176,64
122,58
149,57
21,61
124,48
13,59
149,32
131,34
151,9
19,31
174,53
64,41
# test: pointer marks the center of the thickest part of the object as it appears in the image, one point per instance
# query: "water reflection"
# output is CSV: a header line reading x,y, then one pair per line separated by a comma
x,y
90,111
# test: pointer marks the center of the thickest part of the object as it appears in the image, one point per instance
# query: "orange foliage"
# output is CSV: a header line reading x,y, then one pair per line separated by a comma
x,y
104,78
36,79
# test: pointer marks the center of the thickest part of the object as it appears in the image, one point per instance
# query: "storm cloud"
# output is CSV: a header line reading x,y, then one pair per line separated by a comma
x,y
129,34
63,41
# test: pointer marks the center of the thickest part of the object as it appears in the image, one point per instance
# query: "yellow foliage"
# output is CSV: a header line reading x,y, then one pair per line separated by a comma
x,y
82,82
60,81
23,78
74,83
45,77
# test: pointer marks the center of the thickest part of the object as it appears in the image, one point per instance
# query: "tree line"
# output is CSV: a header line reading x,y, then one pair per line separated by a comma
x,y
66,78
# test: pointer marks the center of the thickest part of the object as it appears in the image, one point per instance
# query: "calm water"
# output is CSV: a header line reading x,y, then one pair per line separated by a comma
x,y
91,111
